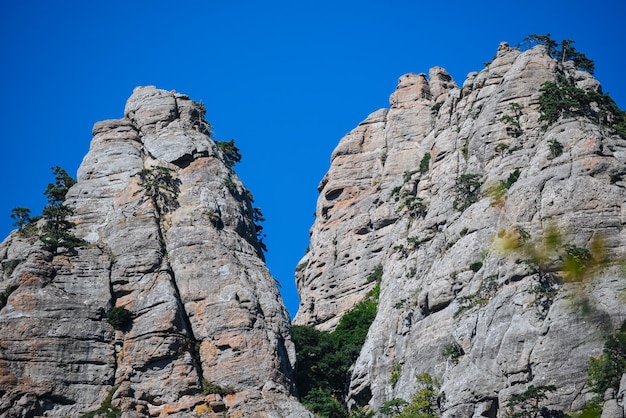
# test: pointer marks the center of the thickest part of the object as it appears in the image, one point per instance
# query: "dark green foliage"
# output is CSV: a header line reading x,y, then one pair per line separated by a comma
x,y
56,229
55,192
487,289
527,404
576,261
350,334
257,218
4,295
21,216
323,404
393,407
201,107
514,127
160,186
376,275
209,388
415,205
406,176
324,358
119,317
562,52
106,409
427,402
513,177
424,163
606,370
230,152
435,108
453,352
467,191
563,99
476,266
556,148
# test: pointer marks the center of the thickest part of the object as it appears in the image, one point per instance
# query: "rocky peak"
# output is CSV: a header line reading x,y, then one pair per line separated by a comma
x,y
429,190
171,239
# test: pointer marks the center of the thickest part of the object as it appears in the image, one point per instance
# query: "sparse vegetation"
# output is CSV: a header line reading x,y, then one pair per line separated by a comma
x,y
563,99
119,317
555,147
106,409
4,295
426,402
434,110
513,121
528,403
55,232
394,376
324,358
160,186
475,266
487,289
467,191
424,163
498,191
209,388
230,152
453,352
21,216
606,370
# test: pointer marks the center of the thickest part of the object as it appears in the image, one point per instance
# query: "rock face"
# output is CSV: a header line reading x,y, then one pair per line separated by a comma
x,y
456,193
182,256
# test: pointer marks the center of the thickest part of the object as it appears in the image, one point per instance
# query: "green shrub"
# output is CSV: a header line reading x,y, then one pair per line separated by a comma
x,y
230,152
119,317
476,266
324,358
209,388
395,374
467,191
424,163
453,352
323,404
393,407
106,409
555,147
435,108
4,295
528,403
376,275
563,99
160,186
427,402
606,370
55,232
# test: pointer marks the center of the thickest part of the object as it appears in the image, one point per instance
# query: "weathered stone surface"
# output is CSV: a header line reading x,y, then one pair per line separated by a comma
x,y
189,268
446,278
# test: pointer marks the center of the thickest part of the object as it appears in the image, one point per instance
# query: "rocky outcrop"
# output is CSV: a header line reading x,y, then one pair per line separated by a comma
x,y
455,192
172,239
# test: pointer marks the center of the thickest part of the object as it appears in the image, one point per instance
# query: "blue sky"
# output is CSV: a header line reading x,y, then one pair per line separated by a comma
x,y
285,79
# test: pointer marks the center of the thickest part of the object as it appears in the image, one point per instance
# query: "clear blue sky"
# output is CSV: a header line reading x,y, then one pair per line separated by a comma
x,y
285,79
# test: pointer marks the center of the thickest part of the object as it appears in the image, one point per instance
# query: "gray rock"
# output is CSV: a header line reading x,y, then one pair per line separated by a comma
x,y
188,266
447,275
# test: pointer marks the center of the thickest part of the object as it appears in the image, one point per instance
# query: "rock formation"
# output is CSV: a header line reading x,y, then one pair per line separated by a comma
x,y
171,238
472,206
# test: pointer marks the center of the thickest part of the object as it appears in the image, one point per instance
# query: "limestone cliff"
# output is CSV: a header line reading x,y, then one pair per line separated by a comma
x,y
455,191
209,332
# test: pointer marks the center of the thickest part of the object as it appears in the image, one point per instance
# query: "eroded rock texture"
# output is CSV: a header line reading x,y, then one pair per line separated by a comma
x,y
183,258
441,227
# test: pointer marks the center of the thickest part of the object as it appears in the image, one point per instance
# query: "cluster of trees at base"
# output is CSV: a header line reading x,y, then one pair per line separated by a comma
x,y
324,358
